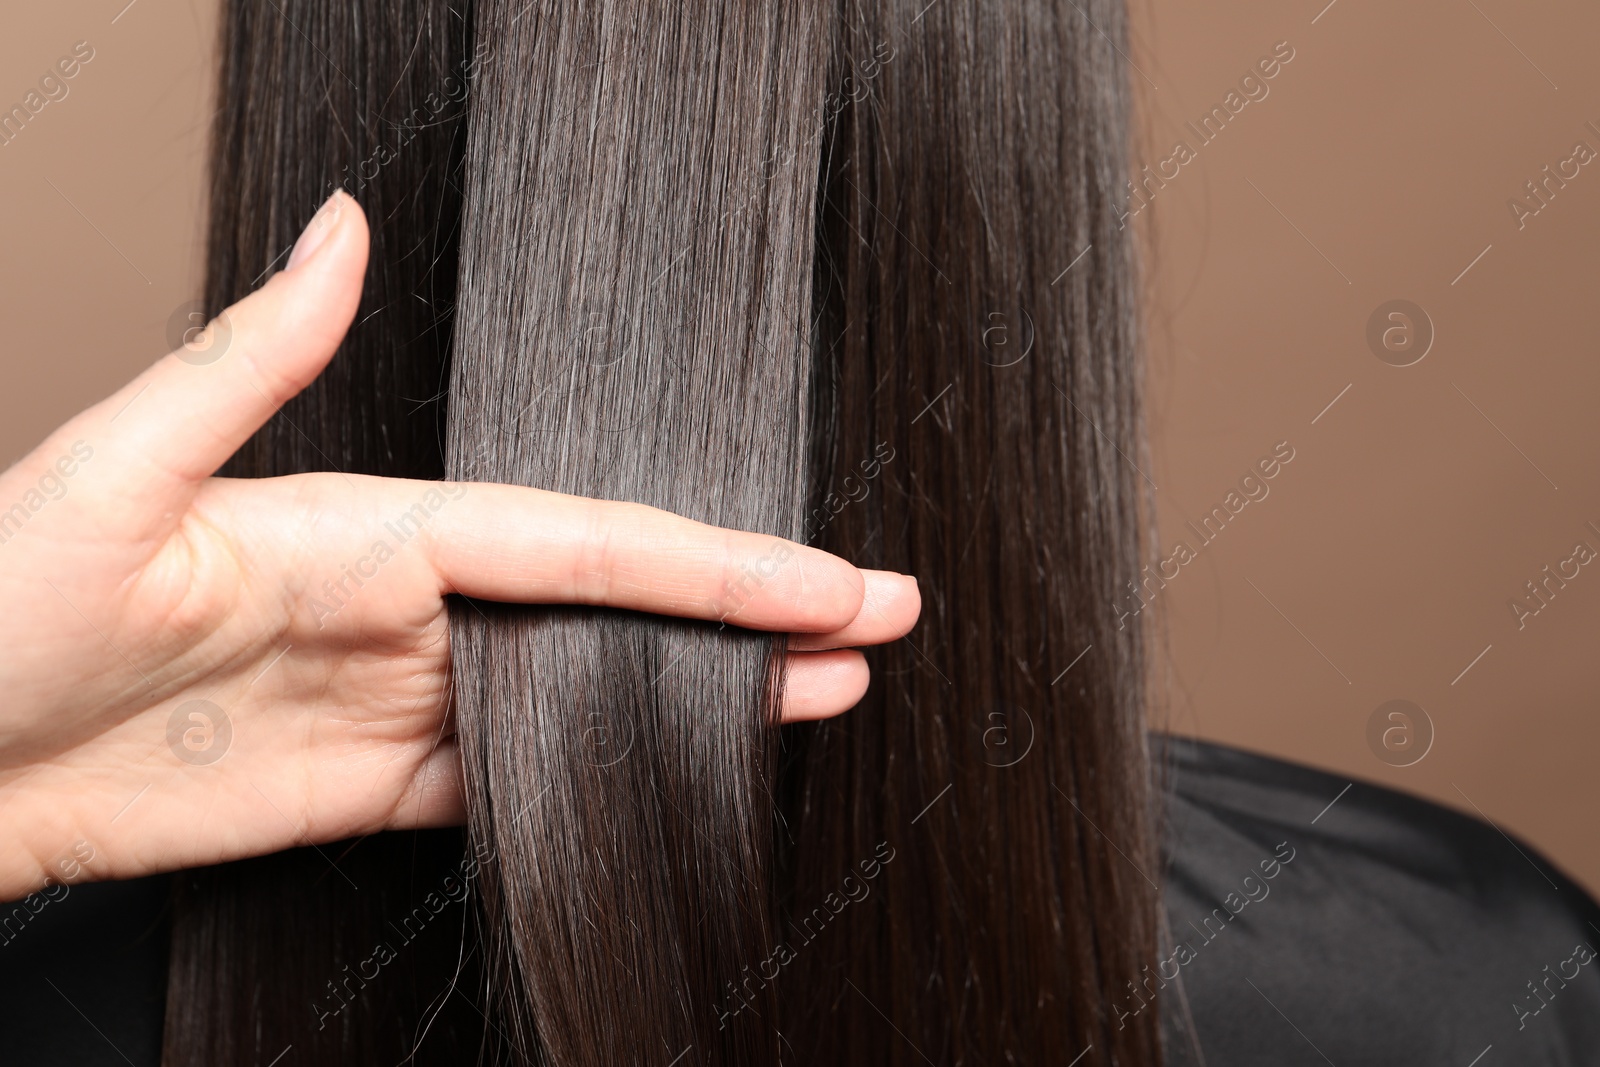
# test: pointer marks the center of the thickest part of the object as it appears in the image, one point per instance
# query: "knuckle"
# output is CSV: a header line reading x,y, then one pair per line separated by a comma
x,y
598,554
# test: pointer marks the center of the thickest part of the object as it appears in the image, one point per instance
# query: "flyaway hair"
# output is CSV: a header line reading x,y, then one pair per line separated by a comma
x,y
841,274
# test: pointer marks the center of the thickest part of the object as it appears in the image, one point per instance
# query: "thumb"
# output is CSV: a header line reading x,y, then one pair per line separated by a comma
x,y
181,420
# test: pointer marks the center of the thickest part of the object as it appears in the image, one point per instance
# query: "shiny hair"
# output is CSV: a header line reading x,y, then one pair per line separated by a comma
x,y
850,274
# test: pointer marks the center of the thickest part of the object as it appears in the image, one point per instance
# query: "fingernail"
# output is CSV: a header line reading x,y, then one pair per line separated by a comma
x,y
316,232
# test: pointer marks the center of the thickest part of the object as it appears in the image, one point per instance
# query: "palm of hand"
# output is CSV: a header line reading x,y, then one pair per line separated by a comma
x,y
221,688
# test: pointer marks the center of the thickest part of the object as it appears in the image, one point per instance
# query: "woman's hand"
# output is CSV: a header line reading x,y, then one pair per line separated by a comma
x,y
198,669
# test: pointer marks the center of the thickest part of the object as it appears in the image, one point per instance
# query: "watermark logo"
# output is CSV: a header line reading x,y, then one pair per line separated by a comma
x,y
53,87
1007,338
805,928
60,875
1399,332
1008,735
1253,888
854,489
1252,88
195,338
1542,188
51,486
606,739
199,732
340,592
345,988
1400,733
617,375
1252,488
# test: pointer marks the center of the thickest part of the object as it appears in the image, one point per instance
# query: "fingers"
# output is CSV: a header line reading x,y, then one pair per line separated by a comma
x,y
509,543
188,413
889,608
819,685
436,795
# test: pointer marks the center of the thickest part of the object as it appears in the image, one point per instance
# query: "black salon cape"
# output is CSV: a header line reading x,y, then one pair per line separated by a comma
x,y
1308,924
1399,933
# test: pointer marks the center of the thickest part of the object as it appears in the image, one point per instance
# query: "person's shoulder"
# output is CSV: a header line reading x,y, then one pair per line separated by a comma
x,y
1245,797
1311,909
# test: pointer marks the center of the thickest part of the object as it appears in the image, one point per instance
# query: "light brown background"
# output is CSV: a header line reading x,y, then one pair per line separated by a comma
x,y
1378,167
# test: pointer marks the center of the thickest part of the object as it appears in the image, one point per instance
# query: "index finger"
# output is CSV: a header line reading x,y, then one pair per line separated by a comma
x,y
530,546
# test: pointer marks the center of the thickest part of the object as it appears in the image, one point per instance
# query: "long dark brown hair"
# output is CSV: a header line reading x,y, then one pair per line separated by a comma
x,y
849,274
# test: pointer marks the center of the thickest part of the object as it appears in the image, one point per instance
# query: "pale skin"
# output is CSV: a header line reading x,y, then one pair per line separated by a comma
x,y
140,582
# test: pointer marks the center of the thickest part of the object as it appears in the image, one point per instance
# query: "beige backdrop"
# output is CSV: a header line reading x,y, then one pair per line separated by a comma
x,y
1374,165
1382,563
